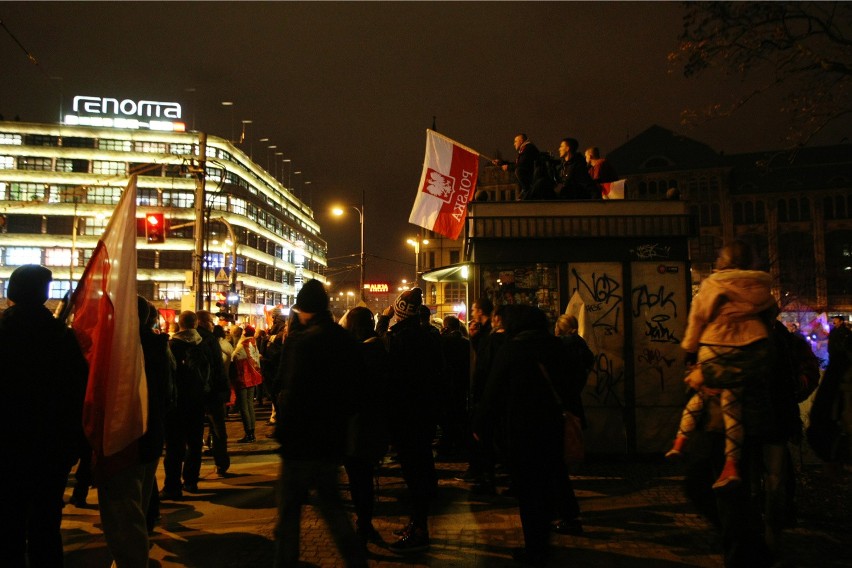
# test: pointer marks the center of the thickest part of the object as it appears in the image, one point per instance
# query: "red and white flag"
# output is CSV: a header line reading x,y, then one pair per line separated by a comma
x,y
613,190
446,185
106,322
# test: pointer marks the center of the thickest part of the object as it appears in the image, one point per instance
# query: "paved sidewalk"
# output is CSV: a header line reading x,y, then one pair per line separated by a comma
x,y
634,514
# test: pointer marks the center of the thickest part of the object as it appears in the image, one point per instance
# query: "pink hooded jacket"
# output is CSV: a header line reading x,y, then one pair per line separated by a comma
x,y
726,309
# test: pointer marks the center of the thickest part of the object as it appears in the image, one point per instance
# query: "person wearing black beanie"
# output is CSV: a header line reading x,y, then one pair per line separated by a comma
x,y
321,376
43,368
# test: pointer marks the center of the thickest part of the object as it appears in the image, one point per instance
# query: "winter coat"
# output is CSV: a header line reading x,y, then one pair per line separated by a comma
x,y
727,310
321,376
158,374
44,383
417,370
520,394
247,360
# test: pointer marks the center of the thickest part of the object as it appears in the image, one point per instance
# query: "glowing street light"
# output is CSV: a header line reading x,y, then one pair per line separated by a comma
x,y
339,211
416,242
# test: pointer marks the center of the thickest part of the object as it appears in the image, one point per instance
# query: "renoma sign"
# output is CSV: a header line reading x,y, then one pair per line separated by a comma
x,y
126,113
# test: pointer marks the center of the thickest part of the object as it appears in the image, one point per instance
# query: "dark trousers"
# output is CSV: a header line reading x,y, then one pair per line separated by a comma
x,y
297,477
361,474
218,434
567,507
31,508
532,479
184,432
414,453
737,513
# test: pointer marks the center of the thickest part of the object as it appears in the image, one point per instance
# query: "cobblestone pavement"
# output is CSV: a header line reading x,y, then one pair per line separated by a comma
x,y
634,515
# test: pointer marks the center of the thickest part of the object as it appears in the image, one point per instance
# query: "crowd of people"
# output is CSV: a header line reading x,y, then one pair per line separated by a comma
x,y
499,390
571,175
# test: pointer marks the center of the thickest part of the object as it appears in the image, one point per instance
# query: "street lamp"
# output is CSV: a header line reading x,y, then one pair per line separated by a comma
x,y
289,162
416,242
271,147
338,211
276,165
230,104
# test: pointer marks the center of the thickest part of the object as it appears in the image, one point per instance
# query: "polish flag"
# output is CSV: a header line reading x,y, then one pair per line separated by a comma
x,y
446,185
613,190
106,322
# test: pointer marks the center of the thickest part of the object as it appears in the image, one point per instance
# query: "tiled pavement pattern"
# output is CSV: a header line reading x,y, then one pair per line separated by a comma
x,y
635,516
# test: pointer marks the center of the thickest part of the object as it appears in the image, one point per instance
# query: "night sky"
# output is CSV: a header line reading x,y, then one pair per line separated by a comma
x,y
347,90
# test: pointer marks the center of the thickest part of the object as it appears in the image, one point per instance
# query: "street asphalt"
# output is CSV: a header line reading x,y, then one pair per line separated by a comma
x,y
634,515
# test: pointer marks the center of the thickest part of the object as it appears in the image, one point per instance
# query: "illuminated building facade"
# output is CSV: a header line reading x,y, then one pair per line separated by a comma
x,y
59,183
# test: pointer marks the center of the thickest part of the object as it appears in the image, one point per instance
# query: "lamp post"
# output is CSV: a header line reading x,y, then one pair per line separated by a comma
x,y
289,163
271,148
339,212
246,123
230,104
416,242
276,166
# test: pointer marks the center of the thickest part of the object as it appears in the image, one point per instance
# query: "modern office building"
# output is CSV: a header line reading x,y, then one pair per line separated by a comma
x,y
59,183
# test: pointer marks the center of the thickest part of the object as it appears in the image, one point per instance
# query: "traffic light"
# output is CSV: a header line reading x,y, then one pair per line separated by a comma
x,y
155,228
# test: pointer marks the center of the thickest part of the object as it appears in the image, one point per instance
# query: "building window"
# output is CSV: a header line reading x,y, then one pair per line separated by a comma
x,y
7,163
805,209
58,289
151,147
16,256
453,293
182,149
749,212
828,207
78,142
760,212
182,199
738,213
40,140
33,163
782,210
109,168
27,191
454,256
103,195
115,145
10,139
840,207
171,291
92,226
59,257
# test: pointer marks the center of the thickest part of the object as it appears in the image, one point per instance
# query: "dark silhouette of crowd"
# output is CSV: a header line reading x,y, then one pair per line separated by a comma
x,y
501,391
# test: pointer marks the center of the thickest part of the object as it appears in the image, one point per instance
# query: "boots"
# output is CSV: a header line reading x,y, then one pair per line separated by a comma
x,y
248,438
677,448
730,477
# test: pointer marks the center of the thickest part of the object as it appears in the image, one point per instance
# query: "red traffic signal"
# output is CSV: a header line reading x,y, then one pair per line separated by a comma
x,y
155,228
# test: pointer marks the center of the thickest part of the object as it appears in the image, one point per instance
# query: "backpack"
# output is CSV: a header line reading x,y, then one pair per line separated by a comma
x,y
194,369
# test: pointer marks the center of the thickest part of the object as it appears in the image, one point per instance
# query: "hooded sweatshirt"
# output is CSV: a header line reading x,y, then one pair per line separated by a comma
x,y
726,311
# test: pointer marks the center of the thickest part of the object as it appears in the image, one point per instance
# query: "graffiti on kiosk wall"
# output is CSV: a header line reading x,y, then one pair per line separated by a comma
x,y
597,294
658,302
601,294
651,251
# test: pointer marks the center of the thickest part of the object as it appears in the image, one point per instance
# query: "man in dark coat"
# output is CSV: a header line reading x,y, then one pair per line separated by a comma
x,y
319,395
521,394
220,391
44,380
524,166
574,179
416,370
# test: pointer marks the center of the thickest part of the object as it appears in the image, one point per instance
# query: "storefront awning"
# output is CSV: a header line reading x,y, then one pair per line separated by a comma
x,y
450,273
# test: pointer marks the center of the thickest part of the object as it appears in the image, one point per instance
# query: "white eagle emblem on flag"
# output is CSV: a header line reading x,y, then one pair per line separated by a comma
x,y
440,186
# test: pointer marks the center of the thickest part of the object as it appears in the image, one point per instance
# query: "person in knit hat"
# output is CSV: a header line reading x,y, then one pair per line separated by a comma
x,y
319,395
416,363
408,304
28,285
43,368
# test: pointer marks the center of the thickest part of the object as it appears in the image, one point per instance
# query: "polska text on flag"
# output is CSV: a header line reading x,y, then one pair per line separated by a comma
x,y
106,322
446,185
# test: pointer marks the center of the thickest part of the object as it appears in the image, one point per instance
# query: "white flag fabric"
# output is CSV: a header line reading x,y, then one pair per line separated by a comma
x,y
446,185
106,322
613,190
